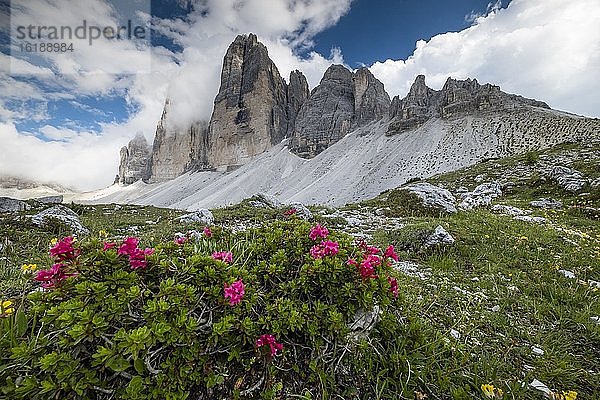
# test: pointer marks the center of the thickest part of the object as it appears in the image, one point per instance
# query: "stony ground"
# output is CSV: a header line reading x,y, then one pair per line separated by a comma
x,y
507,292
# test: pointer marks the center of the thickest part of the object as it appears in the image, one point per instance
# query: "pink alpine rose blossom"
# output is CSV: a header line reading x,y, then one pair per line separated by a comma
x,y
269,340
351,261
52,277
330,248
207,232
63,250
129,246
235,292
390,253
109,245
225,256
318,231
393,286
180,240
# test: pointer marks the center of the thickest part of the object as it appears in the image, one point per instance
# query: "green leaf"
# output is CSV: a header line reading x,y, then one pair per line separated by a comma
x,y
20,324
118,364
139,365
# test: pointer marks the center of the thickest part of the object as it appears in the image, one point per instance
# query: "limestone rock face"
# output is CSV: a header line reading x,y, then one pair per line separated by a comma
x,y
371,101
433,196
249,115
297,94
341,102
176,151
135,159
456,98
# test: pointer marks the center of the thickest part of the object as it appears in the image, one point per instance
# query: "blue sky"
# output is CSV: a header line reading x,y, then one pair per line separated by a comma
x,y
73,111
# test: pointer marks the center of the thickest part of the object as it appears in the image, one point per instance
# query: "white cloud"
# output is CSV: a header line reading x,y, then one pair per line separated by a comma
x,y
544,49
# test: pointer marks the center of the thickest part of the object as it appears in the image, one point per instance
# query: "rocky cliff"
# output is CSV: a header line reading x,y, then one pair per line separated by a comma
x,y
135,158
176,151
341,102
250,112
456,98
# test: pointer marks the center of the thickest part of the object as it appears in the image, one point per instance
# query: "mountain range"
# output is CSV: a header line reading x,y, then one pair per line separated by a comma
x,y
344,141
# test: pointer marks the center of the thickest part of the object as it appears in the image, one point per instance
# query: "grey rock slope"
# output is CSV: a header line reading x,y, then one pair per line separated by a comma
x,y
249,115
135,159
456,98
341,102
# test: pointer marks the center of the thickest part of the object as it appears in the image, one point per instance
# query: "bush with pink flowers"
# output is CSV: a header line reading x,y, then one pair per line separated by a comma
x,y
264,313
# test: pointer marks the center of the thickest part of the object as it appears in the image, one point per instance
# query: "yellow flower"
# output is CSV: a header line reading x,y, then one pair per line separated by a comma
x,y
29,267
491,392
102,233
6,304
570,395
53,242
5,308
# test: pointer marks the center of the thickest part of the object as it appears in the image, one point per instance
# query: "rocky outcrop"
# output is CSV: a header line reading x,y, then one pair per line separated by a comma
x,y
297,94
8,205
457,97
250,112
61,214
341,102
135,159
176,151
569,179
433,196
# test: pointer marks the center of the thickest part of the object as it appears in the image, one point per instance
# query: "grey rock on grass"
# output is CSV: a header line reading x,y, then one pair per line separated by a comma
x,y
440,236
63,214
433,196
202,216
8,205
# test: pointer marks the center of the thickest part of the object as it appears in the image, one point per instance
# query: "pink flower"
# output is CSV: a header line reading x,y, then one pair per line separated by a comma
x,y
367,267
318,231
207,232
109,245
225,256
63,250
290,212
270,340
129,245
235,292
369,250
351,261
390,253
330,248
52,277
393,286
180,240
316,252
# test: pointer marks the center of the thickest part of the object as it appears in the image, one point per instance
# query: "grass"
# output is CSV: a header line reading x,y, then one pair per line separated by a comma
x,y
498,286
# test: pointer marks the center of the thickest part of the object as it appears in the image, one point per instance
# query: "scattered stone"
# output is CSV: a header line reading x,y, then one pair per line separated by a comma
x,y
433,196
455,334
509,210
63,214
268,200
50,199
546,203
527,218
496,308
537,351
364,322
302,211
411,269
482,196
567,274
537,385
569,179
8,205
595,319
593,284
202,216
439,237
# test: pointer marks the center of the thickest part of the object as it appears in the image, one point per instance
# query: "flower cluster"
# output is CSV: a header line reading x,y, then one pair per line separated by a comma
x,y
267,339
372,258
393,286
569,395
180,239
6,308
225,256
235,292
290,212
29,268
492,392
137,256
318,231
63,250
52,277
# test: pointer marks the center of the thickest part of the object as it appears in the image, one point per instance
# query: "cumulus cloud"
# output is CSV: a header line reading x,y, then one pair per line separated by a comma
x,y
544,49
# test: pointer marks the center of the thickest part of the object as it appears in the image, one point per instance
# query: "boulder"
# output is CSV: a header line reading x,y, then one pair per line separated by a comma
x,y
569,179
364,322
50,199
546,203
433,196
482,196
63,214
527,218
439,237
8,205
202,216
